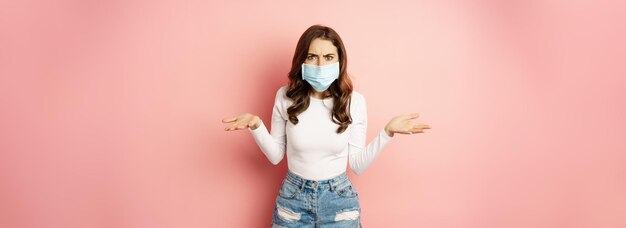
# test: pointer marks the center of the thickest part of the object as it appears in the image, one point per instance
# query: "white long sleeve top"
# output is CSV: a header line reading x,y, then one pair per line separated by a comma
x,y
314,149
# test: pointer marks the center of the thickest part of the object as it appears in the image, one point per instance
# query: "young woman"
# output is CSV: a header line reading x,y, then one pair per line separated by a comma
x,y
320,122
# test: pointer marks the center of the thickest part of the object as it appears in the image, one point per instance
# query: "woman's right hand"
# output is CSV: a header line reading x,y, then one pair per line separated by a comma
x,y
242,121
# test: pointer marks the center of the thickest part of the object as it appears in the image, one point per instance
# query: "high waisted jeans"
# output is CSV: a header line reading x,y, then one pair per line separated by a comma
x,y
326,203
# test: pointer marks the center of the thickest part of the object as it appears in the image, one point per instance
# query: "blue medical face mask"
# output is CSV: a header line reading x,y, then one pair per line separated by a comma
x,y
320,77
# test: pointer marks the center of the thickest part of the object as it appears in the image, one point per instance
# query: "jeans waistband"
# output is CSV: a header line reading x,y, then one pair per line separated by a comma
x,y
302,182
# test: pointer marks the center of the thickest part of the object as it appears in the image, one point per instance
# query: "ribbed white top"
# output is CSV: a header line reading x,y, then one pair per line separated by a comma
x,y
314,149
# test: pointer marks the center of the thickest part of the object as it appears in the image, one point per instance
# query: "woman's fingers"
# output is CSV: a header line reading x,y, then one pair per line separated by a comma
x,y
420,127
231,127
228,120
413,129
239,126
410,132
416,130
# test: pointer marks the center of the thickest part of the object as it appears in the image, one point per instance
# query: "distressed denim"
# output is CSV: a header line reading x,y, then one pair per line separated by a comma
x,y
324,204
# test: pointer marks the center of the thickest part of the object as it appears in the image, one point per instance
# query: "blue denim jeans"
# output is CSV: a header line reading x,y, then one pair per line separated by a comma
x,y
325,203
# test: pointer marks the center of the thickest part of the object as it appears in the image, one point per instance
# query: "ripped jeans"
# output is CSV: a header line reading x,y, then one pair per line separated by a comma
x,y
326,203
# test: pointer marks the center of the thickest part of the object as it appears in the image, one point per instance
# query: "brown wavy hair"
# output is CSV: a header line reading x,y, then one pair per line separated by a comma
x,y
340,90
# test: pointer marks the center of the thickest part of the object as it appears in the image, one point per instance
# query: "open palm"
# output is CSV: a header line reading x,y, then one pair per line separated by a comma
x,y
242,121
404,125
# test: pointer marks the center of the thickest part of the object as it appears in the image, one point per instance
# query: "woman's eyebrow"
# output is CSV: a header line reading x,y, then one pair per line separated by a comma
x,y
331,54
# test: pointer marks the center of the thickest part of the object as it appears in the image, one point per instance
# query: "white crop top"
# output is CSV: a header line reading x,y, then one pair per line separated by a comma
x,y
314,149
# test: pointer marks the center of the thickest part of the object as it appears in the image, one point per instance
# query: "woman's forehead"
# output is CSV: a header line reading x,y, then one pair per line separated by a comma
x,y
321,46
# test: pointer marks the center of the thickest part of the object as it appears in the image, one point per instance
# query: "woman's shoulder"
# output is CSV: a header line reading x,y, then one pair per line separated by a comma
x,y
281,95
357,104
357,97
281,101
281,92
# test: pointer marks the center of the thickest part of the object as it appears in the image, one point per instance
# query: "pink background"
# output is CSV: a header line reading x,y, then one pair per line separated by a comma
x,y
110,110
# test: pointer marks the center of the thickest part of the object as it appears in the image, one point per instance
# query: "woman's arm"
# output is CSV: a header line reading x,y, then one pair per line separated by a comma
x,y
361,156
273,144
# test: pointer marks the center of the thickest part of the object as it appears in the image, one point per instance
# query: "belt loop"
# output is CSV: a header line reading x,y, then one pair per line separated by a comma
x,y
302,185
332,185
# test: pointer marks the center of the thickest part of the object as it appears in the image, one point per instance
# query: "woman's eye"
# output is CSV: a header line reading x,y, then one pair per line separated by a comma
x,y
312,57
328,58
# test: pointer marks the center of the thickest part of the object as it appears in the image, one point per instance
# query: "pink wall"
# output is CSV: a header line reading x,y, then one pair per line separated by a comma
x,y
111,111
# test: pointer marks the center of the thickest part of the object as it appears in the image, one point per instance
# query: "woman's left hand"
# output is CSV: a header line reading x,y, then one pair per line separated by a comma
x,y
404,125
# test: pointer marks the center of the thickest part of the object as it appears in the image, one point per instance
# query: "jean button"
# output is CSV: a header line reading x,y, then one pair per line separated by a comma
x,y
314,185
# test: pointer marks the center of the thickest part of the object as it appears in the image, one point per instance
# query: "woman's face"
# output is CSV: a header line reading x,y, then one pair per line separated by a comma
x,y
322,52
